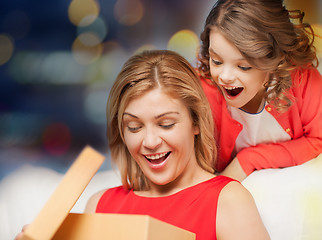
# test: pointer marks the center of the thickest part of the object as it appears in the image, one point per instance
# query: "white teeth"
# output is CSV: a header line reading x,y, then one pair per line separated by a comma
x,y
230,88
156,156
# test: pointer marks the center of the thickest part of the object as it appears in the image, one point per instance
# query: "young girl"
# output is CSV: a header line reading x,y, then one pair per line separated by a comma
x,y
258,70
160,133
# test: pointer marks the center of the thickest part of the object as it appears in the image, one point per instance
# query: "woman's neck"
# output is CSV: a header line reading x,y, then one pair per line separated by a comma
x,y
182,182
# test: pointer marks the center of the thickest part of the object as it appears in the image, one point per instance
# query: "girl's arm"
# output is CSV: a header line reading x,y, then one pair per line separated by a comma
x,y
234,170
237,215
303,122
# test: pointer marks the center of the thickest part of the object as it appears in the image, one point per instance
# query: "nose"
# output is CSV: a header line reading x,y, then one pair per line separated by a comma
x,y
152,139
226,76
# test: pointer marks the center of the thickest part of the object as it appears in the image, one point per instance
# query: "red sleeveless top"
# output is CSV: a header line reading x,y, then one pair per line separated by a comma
x,y
193,209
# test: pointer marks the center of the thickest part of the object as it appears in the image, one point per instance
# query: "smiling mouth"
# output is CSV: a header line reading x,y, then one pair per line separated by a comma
x,y
157,158
233,91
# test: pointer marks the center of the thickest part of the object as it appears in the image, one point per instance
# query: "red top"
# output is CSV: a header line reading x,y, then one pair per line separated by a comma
x,y
193,208
302,121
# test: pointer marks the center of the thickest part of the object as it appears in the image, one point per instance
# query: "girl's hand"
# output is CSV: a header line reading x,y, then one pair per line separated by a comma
x,y
234,170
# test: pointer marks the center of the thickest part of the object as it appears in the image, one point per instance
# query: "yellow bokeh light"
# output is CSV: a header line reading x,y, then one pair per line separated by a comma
x,y
89,39
83,12
310,207
318,38
6,48
186,43
318,43
127,12
311,9
84,54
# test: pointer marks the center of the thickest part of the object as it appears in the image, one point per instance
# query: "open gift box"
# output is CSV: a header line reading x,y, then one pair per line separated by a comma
x,y
98,226
56,222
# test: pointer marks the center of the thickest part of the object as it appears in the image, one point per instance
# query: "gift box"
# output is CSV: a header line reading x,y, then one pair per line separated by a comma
x,y
56,222
100,226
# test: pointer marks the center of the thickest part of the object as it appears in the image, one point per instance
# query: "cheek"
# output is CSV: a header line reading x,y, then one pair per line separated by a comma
x,y
214,74
213,71
132,142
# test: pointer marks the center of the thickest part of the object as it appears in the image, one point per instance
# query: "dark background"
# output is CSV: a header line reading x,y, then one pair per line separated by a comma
x,y
52,98
56,72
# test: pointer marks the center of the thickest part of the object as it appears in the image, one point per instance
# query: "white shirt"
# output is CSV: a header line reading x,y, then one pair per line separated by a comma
x,y
258,128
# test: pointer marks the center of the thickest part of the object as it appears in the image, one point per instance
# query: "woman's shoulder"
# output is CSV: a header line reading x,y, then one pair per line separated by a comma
x,y
237,214
235,190
95,198
93,201
235,201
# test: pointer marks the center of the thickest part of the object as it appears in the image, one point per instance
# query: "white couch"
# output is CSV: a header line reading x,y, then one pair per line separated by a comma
x,y
289,200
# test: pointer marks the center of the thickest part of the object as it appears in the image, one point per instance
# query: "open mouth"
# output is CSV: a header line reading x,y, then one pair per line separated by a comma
x,y
157,158
233,91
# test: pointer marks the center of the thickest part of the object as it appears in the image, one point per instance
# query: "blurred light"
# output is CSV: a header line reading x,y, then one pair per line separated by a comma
x,y
311,208
89,39
57,139
86,54
95,105
19,129
6,48
17,24
83,12
186,43
318,43
318,37
144,48
128,12
61,68
112,61
50,68
94,33
312,9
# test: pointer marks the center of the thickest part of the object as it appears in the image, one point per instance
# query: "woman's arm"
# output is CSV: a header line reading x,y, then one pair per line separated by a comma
x,y
237,215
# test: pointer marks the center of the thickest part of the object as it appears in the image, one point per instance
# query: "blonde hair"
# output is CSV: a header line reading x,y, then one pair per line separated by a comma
x,y
263,32
176,77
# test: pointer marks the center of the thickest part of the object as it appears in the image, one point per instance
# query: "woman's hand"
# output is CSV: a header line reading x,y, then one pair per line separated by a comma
x,y
19,236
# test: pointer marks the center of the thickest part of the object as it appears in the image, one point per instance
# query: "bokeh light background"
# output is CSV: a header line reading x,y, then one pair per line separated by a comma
x,y
58,60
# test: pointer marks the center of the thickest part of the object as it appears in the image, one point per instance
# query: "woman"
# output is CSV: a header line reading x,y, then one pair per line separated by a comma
x,y
160,133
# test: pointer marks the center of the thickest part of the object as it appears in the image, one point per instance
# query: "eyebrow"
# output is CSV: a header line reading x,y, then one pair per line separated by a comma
x,y
156,117
213,52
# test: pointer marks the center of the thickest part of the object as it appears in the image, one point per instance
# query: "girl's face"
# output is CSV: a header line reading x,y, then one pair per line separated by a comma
x,y
241,84
159,134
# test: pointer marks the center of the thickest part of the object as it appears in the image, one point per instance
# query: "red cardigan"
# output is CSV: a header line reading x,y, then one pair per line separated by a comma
x,y
302,121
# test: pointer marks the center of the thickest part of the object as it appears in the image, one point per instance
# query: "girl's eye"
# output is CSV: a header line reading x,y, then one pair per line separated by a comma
x,y
245,68
216,62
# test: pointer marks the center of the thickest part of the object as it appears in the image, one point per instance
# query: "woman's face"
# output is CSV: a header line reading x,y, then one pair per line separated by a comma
x,y
241,84
159,134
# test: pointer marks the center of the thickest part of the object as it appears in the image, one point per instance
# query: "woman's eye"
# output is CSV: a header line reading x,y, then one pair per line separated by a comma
x,y
134,129
245,68
167,126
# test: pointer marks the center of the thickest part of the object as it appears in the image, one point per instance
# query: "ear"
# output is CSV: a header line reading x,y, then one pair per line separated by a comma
x,y
196,130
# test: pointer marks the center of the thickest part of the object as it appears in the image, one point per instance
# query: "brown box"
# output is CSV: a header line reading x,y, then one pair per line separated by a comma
x,y
100,226
56,222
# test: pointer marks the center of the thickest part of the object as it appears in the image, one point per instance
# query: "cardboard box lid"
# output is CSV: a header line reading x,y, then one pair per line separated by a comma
x,y
65,195
56,222
100,226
